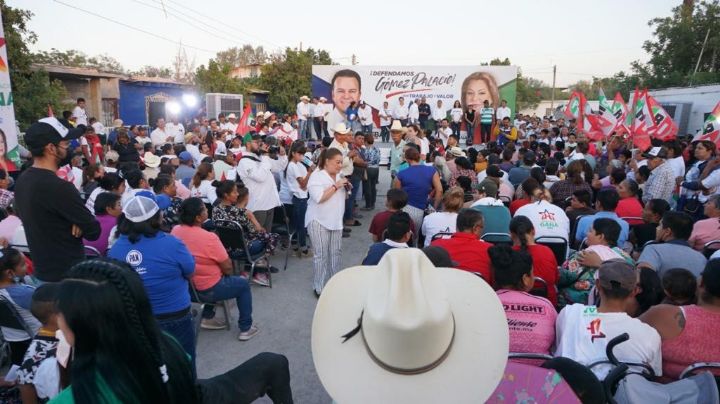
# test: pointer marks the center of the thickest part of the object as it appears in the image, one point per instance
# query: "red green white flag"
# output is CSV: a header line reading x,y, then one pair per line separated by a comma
x,y
663,126
711,129
639,120
603,122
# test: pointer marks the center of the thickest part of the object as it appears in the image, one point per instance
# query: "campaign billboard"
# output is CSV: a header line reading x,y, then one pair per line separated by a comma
x,y
470,85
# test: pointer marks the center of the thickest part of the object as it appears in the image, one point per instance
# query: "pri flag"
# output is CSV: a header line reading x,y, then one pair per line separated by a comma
x,y
620,111
664,127
711,129
639,120
578,109
603,122
244,124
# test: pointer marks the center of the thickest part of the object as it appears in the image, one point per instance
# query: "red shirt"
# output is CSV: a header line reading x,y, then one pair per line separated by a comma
x,y
544,266
470,253
380,221
630,207
517,204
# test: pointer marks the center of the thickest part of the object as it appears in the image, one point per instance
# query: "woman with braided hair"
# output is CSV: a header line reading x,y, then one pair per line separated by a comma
x,y
121,355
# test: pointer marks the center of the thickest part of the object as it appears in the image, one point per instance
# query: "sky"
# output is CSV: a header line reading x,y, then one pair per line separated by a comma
x,y
583,38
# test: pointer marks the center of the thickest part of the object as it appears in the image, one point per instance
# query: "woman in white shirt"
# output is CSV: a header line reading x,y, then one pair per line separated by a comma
x,y
297,176
444,222
324,216
202,184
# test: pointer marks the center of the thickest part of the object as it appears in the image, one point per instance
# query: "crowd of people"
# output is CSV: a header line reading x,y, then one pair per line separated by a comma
x,y
581,240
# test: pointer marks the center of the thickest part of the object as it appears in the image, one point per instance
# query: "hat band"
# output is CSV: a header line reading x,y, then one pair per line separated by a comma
x,y
394,369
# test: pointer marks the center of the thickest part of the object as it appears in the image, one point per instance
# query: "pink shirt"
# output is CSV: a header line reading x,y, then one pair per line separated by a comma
x,y
8,227
704,231
696,342
208,252
531,320
181,190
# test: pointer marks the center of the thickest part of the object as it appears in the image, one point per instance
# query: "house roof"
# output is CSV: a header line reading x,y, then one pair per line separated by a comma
x,y
84,72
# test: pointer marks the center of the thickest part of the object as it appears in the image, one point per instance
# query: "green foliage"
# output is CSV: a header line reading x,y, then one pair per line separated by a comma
x,y
287,76
153,71
215,78
242,56
32,90
75,58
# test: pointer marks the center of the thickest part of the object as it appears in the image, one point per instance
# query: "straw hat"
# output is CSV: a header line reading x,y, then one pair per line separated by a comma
x,y
456,151
117,123
341,129
304,98
232,116
397,127
151,160
406,332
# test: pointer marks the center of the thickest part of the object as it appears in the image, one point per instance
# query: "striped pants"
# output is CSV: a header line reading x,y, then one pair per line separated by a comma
x,y
327,250
416,215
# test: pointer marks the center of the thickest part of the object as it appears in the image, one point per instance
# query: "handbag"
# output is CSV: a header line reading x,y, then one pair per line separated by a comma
x,y
693,206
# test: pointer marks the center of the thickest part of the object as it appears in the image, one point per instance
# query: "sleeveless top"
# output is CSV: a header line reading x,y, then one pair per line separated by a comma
x,y
696,342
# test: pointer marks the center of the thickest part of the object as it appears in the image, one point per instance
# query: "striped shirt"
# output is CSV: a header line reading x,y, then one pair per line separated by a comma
x,y
486,115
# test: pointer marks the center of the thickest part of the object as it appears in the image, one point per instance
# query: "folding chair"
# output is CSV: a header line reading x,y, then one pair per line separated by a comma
x,y
195,298
233,238
558,245
10,318
710,247
92,252
281,226
497,238
690,370
573,230
540,287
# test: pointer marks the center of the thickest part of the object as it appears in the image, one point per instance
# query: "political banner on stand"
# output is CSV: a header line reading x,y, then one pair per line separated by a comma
x,y
9,153
470,85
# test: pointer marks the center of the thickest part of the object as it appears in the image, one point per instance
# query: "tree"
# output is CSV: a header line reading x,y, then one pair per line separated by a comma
x,y
75,58
675,47
528,93
242,56
32,89
183,68
287,76
152,71
215,78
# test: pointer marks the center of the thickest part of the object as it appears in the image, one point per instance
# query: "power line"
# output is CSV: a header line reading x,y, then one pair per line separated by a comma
x,y
133,28
213,20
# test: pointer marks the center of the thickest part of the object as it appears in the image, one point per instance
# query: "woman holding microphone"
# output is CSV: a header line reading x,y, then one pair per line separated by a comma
x,y
324,217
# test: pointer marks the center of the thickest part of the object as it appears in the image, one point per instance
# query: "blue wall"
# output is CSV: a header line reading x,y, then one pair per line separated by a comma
x,y
132,99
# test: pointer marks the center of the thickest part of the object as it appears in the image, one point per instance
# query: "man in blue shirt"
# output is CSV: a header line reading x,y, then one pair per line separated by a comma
x,y
606,202
398,234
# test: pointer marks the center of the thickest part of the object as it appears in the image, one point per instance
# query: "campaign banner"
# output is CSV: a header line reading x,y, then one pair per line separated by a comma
x,y
9,153
470,85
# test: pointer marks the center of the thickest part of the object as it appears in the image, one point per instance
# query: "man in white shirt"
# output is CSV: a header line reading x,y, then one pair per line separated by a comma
x,y
438,114
303,113
99,127
230,126
365,116
192,142
401,112
503,111
345,88
318,115
257,176
343,137
583,332
547,219
385,120
444,131
160,136
176,130
414,112
79,113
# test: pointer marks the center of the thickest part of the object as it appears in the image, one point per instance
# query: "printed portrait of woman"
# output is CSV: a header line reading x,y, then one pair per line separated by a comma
x,y
477,88
5,163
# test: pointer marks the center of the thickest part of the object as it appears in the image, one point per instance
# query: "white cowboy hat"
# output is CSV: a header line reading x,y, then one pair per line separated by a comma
x,y
305,97
397,127
117,123
232,116
267,114
406,332
151,160
323,99
342,129
456,151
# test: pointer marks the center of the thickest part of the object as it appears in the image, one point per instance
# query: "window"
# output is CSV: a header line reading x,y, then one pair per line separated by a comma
x,y
109,111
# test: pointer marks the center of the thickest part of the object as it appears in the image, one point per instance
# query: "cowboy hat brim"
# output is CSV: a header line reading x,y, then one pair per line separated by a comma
x,y
469,374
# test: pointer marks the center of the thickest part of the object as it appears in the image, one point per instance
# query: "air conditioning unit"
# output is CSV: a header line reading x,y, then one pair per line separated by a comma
x,y
217,103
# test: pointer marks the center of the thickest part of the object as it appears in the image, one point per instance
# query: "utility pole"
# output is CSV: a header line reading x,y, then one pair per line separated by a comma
x,y
552,96
697,65
300,46
354,60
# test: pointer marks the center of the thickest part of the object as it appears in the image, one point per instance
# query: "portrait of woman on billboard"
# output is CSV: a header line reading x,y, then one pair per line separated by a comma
x,y
5,163
478,87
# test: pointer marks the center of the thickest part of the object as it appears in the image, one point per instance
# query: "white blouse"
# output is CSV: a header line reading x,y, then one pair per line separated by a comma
x,y
329,213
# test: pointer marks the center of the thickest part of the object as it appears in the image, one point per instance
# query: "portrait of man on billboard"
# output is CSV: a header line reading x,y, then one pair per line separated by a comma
x,y
345,88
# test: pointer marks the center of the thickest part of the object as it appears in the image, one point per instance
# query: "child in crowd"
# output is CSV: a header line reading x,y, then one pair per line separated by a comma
x,y
39,376
680,287
12,289
257,237
107,209
396,201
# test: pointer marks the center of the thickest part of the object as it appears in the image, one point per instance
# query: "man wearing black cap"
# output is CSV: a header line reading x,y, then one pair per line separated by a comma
x,y
54,216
